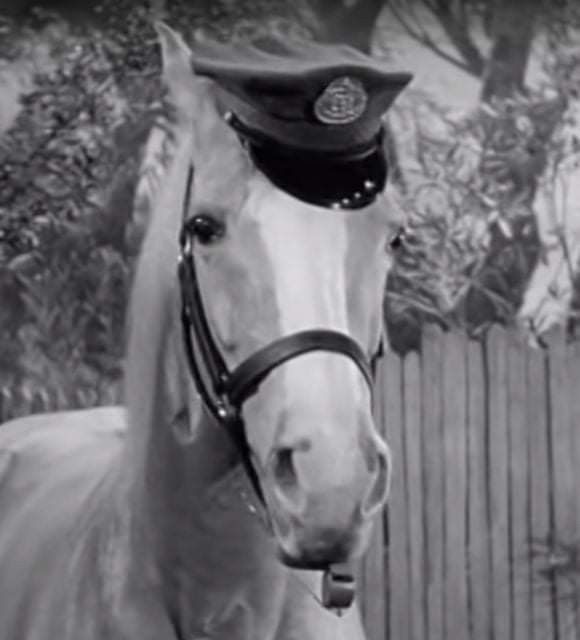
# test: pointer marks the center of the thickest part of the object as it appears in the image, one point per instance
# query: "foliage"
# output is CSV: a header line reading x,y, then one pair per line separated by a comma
x,y
69,167
473,237
55,162
19,39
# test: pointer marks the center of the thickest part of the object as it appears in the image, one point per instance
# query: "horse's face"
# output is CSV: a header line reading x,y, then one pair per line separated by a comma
x,y
282,266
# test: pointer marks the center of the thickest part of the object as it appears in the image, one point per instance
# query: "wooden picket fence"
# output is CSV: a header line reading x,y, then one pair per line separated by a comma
x,y
25,399
481,539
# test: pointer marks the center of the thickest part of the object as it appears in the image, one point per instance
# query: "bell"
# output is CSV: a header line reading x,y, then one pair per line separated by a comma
x,y
338,586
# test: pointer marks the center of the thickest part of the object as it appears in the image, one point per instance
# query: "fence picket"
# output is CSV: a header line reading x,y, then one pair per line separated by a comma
x,y
573,355
562,475
498,483
518,480
542,627
372,583
433,470
40,401
455,490
5,397
479,558
413,455
372,573
398,530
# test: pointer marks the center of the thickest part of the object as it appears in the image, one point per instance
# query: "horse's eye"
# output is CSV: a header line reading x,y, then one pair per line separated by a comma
x,y
206,229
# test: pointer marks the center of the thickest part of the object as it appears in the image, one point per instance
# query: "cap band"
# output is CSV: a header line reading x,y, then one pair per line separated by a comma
x,y
300,134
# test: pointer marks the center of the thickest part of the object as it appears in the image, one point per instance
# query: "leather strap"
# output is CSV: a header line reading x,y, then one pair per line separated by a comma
x,y
245,380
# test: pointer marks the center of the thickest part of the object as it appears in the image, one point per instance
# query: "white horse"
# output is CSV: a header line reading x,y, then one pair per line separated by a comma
x,y
140,523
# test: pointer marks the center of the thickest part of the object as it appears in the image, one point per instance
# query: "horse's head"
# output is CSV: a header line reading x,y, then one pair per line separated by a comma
x,y
270,264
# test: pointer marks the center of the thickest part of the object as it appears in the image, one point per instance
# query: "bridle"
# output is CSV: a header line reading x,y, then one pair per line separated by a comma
x,y
224,392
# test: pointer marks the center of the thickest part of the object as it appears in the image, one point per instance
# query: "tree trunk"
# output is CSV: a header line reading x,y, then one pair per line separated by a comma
x,y
455,22
349,21
513,31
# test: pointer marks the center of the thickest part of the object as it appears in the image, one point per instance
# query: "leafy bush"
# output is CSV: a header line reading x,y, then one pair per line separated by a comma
x,y
473,239
69,167
64,264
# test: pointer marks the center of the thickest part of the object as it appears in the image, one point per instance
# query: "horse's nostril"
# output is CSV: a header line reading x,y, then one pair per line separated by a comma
x,y
285,480
283,468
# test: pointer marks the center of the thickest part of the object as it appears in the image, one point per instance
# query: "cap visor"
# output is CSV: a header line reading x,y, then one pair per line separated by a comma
x,y
325,180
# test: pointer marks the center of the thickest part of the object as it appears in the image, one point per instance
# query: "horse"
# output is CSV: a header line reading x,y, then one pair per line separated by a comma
x,y
149,520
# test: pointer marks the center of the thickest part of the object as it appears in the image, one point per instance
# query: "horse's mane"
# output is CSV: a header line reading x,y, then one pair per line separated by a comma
x,y
152,305
154,368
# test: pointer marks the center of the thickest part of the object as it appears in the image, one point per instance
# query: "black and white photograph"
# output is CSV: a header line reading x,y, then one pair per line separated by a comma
x,y
289,320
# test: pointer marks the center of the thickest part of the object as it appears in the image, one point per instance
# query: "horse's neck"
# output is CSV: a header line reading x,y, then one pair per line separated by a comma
x,y
178,481
181,473
207,544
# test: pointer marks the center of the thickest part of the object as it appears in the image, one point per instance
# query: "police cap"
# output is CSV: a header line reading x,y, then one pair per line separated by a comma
x,y
310,114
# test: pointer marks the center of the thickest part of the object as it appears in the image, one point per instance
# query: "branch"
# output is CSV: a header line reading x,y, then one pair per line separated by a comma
x,y
458,34
423,38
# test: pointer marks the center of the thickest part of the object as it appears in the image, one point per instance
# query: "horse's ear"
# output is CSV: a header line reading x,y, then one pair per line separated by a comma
x,y
177,72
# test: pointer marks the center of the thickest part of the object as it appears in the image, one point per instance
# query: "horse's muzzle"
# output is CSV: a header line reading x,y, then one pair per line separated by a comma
x,y
326,518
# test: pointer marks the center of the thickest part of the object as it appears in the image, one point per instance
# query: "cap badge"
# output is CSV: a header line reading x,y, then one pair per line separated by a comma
x,y
344,100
